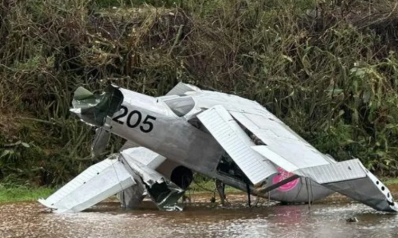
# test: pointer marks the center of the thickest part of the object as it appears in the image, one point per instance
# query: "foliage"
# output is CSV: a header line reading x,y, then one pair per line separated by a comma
x,y
129,3
22,193
327,69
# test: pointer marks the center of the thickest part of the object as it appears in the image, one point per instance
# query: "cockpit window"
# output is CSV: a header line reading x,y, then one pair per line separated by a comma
x,y
180,106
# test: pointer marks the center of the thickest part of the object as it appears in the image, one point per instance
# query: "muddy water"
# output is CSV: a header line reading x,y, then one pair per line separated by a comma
x,y
201,219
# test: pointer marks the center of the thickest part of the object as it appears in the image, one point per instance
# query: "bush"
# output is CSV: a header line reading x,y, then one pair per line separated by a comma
x,y
328,70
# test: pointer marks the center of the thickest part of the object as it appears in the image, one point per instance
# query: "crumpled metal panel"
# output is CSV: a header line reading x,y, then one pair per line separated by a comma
x,y
226,131
94,108
163,192
93,185
132,196
143,156
346,170
100,141
166,195
144,161
281,140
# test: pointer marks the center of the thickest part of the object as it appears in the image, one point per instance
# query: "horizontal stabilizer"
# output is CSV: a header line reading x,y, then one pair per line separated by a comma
x,y
93,185
231,137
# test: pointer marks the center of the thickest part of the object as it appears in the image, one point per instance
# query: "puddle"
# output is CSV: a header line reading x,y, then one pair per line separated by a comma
x,y
202,219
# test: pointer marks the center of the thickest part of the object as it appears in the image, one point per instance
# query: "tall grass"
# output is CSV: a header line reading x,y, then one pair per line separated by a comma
x,y
329,70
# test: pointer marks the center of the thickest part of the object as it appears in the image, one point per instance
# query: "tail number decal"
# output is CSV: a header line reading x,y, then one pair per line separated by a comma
x,y
134,119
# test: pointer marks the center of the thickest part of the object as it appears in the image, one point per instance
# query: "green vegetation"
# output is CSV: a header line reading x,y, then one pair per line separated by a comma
x,y
208,186
22,193
328,69
135,3
390,181
18,193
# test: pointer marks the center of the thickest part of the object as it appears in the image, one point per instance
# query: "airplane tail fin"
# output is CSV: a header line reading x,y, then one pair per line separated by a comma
x,y
352,179
93,185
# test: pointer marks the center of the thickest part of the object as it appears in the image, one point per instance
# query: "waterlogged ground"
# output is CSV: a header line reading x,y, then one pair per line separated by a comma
x,y
201,219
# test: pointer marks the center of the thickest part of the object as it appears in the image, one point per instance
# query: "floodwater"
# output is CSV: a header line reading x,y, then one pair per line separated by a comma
x,y
202,219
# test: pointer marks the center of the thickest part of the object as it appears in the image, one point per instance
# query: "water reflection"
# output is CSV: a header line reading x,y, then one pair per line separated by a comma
x,y
108,220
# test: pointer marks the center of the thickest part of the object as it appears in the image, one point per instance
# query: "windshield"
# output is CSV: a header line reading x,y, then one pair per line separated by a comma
x,y
180,106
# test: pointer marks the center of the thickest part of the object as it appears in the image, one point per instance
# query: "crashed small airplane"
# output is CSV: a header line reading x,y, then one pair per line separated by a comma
x,y
189,130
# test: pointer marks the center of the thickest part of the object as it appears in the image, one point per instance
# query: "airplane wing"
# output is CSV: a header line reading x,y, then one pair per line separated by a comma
x,y
237,144
282,146
126,173
93,185
277,144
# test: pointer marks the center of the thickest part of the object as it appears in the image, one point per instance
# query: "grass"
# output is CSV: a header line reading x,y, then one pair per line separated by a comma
x,y
210,186
23,194
390,181
26,194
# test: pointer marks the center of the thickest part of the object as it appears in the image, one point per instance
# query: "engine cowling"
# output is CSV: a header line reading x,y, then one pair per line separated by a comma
x,y
176,173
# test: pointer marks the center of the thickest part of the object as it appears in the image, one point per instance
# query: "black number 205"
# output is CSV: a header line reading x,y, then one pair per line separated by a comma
x,y
134,119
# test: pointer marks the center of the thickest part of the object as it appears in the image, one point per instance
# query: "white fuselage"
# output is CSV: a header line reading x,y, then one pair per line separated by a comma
x,y
148,122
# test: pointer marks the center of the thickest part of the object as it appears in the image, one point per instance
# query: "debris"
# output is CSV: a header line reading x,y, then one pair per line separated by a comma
x,y
352,219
